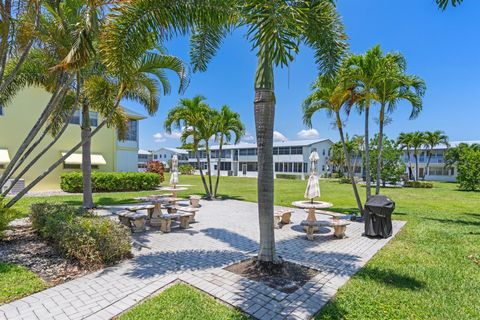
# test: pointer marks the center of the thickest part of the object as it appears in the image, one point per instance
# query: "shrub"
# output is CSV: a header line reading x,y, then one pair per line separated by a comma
x,y
345,180
156,167
110,181
418,184
337,175
92,241
186,169
6,215
288,176
469,169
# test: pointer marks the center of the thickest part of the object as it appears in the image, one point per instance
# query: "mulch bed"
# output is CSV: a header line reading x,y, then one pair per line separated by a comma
x,y
22,246
287,278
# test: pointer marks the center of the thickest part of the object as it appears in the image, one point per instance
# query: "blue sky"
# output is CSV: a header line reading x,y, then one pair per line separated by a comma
x,y
441,47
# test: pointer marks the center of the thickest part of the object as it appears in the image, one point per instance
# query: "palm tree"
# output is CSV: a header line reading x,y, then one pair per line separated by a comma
x,y
365,72
333,95
433,139
393,86
187,116
228,123
443,4
404,141
417,140
275,29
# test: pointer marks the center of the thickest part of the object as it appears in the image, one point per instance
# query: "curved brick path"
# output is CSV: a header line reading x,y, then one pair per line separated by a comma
x,y
226,232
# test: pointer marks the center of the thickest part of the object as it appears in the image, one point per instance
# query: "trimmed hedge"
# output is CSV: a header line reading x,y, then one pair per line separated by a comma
x,y
288,176
111,181
92,241
418,184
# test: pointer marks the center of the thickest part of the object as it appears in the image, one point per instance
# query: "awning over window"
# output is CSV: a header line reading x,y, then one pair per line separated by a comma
x,y
76,158
4,157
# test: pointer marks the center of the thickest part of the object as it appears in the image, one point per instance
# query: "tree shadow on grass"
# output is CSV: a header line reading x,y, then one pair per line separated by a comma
x,y
390,278
455,221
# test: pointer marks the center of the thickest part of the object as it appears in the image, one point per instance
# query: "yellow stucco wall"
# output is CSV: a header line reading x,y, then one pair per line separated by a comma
x,y
18,119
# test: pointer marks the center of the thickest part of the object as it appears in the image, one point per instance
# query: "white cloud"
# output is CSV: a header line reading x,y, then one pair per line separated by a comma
x,y
277,136
158,137
248,137
308,134
174,135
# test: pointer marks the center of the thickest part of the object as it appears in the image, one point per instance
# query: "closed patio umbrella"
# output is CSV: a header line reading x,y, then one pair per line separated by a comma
x,y
174,171
313,187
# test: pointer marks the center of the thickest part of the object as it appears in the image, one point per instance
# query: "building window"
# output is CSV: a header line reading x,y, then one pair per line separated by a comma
x,y
93,119
323,152
75,119
225,166
296,150
1,111
439,171
275,150
164,156
132,131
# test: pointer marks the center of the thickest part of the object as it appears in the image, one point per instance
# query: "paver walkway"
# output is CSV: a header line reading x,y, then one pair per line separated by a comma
x,y
226,232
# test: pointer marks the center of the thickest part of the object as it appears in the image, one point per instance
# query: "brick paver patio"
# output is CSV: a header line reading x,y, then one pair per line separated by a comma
x,y
226,232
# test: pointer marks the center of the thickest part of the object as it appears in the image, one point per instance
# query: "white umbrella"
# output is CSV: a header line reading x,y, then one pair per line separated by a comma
x,y
174,171
313,187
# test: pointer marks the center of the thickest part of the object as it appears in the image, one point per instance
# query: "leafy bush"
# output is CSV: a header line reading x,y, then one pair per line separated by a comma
x,y
186,169
6,215
156,167
418,184
337,175
93,241
469,169
345,180
110,181
288,176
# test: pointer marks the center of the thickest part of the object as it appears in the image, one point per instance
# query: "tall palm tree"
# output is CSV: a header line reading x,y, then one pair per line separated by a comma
x,y
275,29
394,86
187,116
433,139
404,141
334,95
443,4
365,71
228,124
417,140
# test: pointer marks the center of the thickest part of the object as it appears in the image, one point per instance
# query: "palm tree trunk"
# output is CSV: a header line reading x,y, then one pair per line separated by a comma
x,y
219,162
367,154
416,166
264,109
6,16
86,158
428,163
201,171
209,168
409,164
380,148
349,165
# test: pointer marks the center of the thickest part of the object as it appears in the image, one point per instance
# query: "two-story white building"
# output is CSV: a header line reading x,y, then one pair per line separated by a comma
x,y
163,155
289,157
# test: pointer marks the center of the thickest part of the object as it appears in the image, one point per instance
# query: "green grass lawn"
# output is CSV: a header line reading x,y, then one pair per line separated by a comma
x,y
16,282
429,271
182,302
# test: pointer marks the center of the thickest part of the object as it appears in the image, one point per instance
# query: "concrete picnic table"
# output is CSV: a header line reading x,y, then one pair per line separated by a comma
x,y
158,201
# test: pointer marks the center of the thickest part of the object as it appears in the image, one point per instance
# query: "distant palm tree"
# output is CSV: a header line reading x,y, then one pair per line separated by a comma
x,y
335,96
393,86
433,139
188,115
404,141
228,123
417,140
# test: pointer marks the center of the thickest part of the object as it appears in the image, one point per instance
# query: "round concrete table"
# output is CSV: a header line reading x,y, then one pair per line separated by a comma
x,y
157,201
311,206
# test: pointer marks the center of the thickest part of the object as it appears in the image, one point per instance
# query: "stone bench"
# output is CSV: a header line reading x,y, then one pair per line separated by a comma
x,y
282,216
148,207
135,221
195,201
166,221
191,210
339,227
